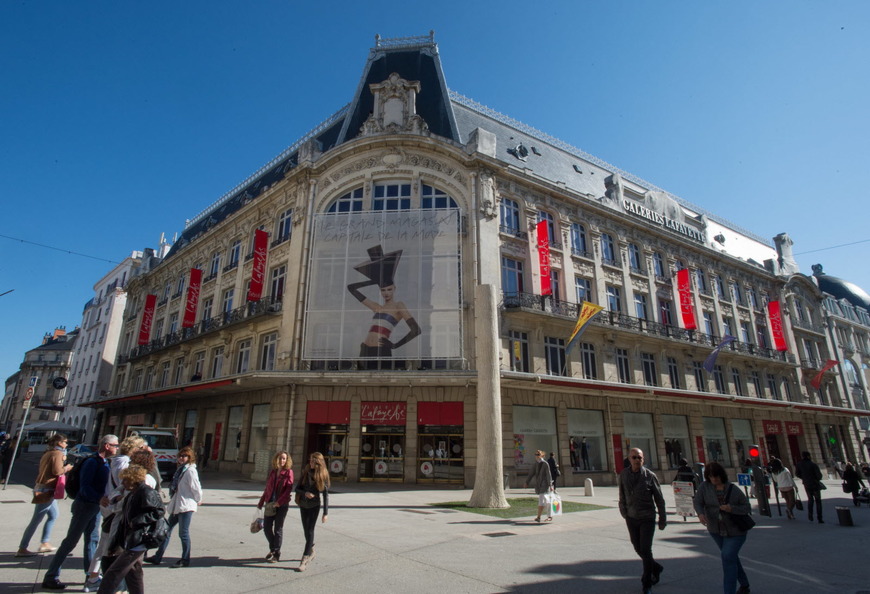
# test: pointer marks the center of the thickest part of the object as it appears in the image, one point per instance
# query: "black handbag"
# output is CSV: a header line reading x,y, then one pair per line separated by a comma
x,y
743,522
847,488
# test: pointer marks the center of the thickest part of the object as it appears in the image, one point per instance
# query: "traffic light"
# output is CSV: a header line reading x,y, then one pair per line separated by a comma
x,y
754,451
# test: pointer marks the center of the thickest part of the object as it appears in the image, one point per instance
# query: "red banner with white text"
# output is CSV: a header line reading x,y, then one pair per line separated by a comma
x,y
258,272
544,257
192,298
684,289
776,325
147,318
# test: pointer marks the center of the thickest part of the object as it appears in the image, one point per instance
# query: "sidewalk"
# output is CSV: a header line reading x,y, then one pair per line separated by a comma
x,y
386,538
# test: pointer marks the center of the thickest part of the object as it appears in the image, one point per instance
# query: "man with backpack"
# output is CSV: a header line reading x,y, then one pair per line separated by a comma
x,y
88,481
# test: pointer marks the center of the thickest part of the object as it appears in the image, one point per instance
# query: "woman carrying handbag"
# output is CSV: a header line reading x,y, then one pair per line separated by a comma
x,y
52,471
276,499
313,486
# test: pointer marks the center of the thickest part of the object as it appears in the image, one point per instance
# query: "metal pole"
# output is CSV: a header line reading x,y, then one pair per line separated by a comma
x,y
18,443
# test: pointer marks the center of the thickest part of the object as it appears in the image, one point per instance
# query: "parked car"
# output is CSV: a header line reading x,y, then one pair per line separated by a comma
x,y
80,450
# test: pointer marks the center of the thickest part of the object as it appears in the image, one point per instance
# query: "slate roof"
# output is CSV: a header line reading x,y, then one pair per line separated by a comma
x,y
843,289
448,115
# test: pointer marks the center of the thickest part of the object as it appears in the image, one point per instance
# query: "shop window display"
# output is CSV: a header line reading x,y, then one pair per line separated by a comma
x,y
741,429
675,430
586,440
534,429
715,441
639,433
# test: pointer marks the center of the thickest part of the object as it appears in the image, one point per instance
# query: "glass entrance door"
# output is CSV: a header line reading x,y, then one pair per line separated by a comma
x,y
382,455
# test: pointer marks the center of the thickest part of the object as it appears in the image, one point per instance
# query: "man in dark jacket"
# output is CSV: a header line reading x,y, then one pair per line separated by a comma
x,y
640,495
810,473
93,476
554,469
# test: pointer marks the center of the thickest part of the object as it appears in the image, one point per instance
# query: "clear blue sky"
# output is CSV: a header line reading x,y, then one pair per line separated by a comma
x,y
120,120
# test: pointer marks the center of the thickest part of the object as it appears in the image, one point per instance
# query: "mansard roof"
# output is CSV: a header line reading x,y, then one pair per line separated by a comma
x,y
448,115
841,289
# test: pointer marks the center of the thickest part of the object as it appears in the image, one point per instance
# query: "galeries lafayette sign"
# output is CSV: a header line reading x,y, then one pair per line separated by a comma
x,y
383,413
663,221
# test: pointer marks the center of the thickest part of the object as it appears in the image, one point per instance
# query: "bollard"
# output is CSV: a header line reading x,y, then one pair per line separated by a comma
x,y
844,515
588,491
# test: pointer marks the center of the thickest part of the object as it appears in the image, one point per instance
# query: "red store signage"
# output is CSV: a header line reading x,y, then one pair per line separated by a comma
x,y
383,413
772,427
794,428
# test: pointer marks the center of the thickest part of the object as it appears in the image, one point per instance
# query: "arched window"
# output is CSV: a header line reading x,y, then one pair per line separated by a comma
x,y
851,373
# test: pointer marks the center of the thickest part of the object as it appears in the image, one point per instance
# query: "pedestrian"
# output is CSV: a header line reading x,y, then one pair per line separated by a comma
x,y
554,469
852,481
541,480
715,503
809,472
141,511
51,467
114,489
185,495
93,475
276,498
640,495
865,470
686,474
785,483
313,486
7,450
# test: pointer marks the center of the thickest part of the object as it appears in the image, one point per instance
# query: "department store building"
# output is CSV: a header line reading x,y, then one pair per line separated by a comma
x,y
338,300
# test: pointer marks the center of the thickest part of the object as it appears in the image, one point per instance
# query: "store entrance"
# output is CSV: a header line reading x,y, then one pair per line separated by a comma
x,y
331,441
772,446
441,455
382,453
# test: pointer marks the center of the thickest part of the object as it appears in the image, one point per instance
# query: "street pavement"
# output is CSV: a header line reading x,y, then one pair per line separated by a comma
x,y
388,538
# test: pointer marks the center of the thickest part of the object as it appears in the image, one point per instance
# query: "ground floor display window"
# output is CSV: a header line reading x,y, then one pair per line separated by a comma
x,y
639,433
382,443
441,443
234,433
259,429
716,441
189,428
829,438
328,423
741,429
586,440
675,430
534,429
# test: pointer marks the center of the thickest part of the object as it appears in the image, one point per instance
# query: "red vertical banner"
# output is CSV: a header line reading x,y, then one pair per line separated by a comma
x,y
699,444
192,298
258,272
775,315
216,444
544,257
618,458
684,289
147,318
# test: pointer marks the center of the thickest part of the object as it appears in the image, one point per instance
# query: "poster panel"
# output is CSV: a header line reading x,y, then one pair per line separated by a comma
x,y
384,285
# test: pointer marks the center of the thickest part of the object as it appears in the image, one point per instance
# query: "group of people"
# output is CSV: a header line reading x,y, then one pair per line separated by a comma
x,y
117,507
310,494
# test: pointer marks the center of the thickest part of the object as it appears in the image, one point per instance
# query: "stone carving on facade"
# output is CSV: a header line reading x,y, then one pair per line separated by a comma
x,y
785,258
395,109
614,188
488,195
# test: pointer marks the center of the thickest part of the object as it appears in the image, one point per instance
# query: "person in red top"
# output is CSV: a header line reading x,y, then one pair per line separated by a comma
x,y
276,497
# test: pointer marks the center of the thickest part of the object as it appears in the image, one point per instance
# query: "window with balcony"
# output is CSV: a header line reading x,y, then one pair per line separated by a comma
x,y
511,277
745,333
227,305
518,343
554,352
579,246
157,331
267,351
215,265
720,287
179,371
728,326
736,293
509,217
243,358
555,284
701,281
234,254
284,226
583,289
207,307
650,374
640,306
587,356
198,366
173,323
709,327
608,250
752,297
666,312
279,275
634,258
623,368
659,266
179,286
614,302
217,362
761,336
674,373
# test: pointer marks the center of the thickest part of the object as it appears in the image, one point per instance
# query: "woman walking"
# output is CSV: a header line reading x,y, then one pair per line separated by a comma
x,y
541,479
185,495
51,468
276,498
785,484
313,485
716,502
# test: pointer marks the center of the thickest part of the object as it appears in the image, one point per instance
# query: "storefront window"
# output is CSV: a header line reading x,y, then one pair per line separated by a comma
x,y
830,442
675,429
639,433
440,442
382,455
715,441
534,429
742,431
234,434
189,428
586,440
259,428
332,443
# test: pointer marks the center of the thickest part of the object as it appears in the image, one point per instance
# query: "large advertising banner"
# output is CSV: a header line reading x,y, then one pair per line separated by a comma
x,y
384,285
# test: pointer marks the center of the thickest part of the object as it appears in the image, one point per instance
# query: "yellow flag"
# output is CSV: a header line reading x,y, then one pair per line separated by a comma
x,y
587,312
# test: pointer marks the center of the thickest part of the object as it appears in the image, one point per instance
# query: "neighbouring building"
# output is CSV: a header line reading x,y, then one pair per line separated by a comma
x,y
339,299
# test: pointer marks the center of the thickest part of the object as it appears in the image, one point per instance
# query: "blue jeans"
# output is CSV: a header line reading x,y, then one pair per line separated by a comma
x,y
183,521
731,566
82,523
49,510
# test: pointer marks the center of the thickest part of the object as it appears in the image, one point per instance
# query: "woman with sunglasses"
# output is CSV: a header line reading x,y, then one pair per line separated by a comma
x,y
313,485
185,495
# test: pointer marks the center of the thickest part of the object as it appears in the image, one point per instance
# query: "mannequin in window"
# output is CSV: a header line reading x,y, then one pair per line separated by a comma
x,y
381,270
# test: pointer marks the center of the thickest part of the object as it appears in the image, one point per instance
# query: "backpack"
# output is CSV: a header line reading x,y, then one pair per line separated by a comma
x,y
73,477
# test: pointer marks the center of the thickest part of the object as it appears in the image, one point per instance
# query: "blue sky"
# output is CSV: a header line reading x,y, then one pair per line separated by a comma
x,y
121,120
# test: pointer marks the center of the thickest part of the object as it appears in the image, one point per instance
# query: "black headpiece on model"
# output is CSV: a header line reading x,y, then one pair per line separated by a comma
x,y
381,268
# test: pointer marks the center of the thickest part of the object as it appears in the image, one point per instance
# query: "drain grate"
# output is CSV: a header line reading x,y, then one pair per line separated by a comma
x,y
498,534
14,501
417,511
